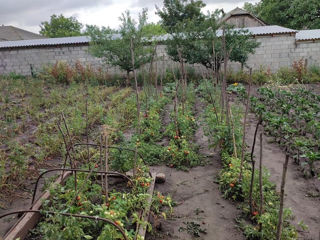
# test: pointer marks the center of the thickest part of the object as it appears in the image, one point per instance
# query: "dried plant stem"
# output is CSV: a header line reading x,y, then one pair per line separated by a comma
x,y
283,183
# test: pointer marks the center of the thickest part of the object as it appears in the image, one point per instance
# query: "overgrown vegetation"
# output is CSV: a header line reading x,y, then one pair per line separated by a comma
x,y
298,73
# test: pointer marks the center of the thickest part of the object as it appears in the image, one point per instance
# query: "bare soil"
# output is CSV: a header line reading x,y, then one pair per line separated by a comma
x,y
198,198
21,198
298,190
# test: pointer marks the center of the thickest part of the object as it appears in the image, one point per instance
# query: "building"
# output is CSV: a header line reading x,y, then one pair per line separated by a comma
x,y
279,48
240,18
10,33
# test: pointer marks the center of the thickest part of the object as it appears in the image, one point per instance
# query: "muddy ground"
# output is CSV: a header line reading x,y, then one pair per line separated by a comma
x,y
198,198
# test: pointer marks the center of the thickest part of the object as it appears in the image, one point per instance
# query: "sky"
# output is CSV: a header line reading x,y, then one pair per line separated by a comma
x,y
28,14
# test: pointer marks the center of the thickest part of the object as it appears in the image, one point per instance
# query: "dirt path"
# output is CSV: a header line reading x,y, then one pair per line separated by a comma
x,y
297,188
198,198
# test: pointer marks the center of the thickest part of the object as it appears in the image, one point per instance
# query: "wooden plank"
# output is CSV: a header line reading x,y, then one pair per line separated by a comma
x,y
145,215
29,220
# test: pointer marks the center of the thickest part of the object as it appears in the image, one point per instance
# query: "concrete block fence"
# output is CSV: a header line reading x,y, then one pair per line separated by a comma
x,y
273,53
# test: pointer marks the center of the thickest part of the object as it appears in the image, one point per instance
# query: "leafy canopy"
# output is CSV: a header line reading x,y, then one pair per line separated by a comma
x,y
177,11
60,26
114,46
296,14
195,35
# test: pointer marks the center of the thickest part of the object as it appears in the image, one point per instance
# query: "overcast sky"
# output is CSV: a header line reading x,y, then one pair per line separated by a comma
x,y
28,14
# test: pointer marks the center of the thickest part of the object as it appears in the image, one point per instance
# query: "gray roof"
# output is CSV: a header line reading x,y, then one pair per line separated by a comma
x,y
10,33
45,42
269,30
255,31
304,35
263,30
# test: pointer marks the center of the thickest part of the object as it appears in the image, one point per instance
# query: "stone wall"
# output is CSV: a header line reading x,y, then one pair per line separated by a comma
x,y
273,53
309,51
19,60
280,51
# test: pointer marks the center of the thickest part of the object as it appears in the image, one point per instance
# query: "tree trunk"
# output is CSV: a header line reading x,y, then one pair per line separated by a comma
x,y
128,79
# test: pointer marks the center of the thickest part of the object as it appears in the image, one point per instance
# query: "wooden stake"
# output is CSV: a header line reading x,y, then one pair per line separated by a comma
x,y
106,187
233,135
100,158
283,182
260,179
138,103
253,166
87,127
183,81
244,128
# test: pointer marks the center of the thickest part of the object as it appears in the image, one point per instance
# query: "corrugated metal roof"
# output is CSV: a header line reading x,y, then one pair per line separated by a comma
x,y
10,33
308,35
45,42
255,31
264,30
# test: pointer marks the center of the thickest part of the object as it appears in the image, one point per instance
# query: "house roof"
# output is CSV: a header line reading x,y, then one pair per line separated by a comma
x,y
239,12
269,30
255,31
45,42
10,33
263,30
305,35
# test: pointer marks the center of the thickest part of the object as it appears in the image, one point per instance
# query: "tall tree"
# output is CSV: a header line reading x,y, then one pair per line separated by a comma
x,y
177,11
198,38
115,46
153,29
61,26
294,14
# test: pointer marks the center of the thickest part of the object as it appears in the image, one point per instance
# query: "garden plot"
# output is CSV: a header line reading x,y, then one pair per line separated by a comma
x,y
291,122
